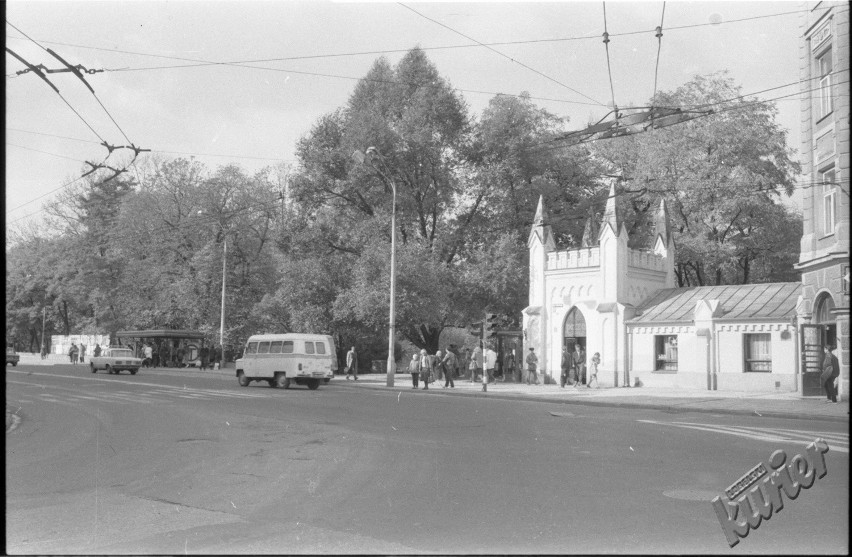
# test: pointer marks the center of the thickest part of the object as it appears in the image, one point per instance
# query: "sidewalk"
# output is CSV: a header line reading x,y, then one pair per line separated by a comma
x,y
779,405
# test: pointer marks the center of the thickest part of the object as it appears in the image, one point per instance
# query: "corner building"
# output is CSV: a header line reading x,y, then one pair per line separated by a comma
x,y
824,259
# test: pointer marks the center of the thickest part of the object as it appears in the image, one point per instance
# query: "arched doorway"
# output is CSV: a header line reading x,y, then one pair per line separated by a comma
x,y
574,331
821,332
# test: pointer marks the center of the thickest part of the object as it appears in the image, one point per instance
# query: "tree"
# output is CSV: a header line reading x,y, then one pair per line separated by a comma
x,y
722,177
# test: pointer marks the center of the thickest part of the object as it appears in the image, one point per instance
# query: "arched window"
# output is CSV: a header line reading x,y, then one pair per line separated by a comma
x,y
823,311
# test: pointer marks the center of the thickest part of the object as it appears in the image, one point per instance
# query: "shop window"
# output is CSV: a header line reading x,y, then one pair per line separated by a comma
x,y
666,350
828,201
824,66
758,353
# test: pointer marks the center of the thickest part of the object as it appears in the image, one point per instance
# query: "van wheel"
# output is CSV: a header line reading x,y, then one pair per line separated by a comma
x,y
243,380
109,369
282,381
313,384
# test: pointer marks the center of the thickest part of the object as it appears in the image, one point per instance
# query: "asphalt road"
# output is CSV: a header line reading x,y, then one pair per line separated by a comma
x,y
172,462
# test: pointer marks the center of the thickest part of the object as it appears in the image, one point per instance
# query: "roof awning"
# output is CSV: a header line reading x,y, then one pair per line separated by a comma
x,y
160,333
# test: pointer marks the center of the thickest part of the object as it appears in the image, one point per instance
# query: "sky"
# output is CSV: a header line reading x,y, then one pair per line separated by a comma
x,y
241,82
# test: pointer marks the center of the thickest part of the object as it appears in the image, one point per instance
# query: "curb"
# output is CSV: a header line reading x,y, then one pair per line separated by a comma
x,y
675,408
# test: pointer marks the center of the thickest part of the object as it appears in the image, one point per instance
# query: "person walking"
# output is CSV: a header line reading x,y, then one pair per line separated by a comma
x,y
490,364
164,354
449,364
476,362
566,367
352,363
579,365
149,355
425,368
72,353
532,364
414,369
437,366
204,357
830,372
97,351
509,365
593,371
82,352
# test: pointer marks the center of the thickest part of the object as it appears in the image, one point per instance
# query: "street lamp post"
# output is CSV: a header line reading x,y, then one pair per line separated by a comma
x,y
224,280
43,319
372,152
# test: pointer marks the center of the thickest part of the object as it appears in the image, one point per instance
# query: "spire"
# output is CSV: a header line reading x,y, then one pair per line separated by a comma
x,y
612,216
662,226
540,213
591,230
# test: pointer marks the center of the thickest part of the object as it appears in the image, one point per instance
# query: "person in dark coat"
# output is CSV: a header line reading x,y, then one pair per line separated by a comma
x,y
830,372
204,356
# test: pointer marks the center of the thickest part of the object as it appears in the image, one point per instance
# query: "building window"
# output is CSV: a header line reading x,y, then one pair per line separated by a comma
x,y
824,105
758,353
666,347
828,201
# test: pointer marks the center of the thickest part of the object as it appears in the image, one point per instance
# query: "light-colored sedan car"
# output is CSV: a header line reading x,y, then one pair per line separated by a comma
x,y
12,357
115,360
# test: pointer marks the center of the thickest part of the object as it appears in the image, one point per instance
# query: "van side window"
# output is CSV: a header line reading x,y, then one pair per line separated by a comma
x,y
251,348
275,347
309,347
288,347
263,348
320,348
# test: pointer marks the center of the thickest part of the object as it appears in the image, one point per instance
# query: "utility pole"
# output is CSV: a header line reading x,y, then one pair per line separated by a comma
x,y
43,319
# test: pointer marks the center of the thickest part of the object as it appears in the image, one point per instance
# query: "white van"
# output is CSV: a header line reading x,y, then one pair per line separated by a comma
x,y
280,359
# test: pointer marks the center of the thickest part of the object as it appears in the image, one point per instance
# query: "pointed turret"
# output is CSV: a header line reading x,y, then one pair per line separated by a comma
x,y
591,230
541,230
662,225
612,215
540,214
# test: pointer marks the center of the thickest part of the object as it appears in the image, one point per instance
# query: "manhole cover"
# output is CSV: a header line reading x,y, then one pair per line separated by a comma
x,y
691,494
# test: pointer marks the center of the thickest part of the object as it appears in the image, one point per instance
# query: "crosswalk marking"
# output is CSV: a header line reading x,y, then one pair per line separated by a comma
x,y
838,441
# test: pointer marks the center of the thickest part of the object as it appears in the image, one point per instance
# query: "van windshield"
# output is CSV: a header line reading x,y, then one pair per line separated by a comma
x,y
251,348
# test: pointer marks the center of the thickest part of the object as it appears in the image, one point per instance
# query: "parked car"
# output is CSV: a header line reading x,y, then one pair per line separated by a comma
x,y
115,360
12,356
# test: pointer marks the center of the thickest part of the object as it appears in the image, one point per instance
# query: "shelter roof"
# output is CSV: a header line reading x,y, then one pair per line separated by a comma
x,y
741,302
160,333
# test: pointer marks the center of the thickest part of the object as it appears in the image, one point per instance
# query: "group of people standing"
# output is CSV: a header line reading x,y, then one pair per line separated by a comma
x,y
428,369
75,353
574,368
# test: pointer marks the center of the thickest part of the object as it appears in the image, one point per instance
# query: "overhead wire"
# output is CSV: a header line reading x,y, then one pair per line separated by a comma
x,y
499,53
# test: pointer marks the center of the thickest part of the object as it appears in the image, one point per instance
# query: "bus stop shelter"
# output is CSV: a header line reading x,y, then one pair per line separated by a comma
x,y
170,342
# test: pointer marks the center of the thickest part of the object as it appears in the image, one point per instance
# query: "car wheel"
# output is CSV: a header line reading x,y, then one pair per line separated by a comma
x,y
313,384
243,380
271,382
133,371
282,381
326,380
92,366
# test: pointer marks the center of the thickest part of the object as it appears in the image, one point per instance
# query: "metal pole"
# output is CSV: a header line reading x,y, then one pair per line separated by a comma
x,y
222,320
43,318
391,362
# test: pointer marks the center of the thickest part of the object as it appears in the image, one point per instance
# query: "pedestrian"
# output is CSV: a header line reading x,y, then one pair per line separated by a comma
x,y
181,354
149,354
490,365
414,369
593,371
352,363
532,363
449,364
164,354
566,367
437,366
464,361
155,355
82,352
97,351
830,372
476,362
72,353
204,356
425,368
579,365
509,365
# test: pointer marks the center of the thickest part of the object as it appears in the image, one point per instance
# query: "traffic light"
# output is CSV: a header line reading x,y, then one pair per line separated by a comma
x,y
492,323
476,329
